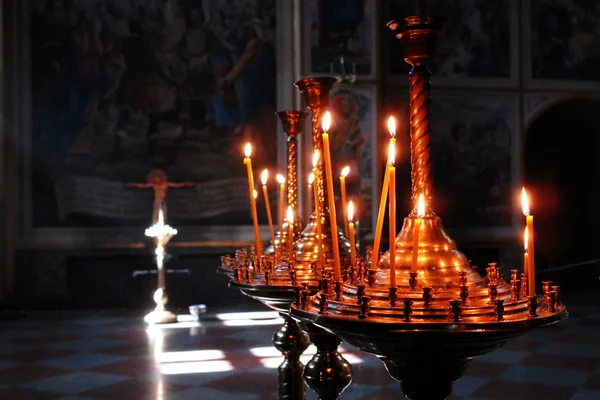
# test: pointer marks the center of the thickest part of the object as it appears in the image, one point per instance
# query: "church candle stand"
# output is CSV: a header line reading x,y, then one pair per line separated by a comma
x,y
435,320
278,280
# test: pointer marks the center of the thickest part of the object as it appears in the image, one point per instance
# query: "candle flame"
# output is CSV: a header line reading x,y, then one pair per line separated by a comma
x,y
311,178
421,207
264,176
316,156
392,154
392,126
280,179
290,214
525,202
326,122
345,171
350,211
526,239
248,150
255,194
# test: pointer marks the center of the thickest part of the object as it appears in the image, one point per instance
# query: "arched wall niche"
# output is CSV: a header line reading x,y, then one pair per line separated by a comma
x,y
561,170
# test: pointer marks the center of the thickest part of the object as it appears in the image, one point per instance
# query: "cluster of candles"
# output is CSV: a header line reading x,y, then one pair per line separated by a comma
x,y
348,207
388,190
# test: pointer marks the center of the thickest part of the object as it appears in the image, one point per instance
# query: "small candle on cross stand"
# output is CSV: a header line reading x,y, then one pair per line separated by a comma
x,y
248,162
343,175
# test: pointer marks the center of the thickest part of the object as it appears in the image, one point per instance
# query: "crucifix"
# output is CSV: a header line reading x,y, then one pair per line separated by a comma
x,y
157,181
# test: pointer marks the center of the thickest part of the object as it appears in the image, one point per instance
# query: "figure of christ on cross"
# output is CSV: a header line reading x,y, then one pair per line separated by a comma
x,y
157,181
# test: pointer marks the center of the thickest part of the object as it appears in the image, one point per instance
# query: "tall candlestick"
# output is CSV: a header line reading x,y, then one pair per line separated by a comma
x,y
392,222
526,253
264,177
281,181
530,245
290,218
350,214
248,162
318,211
383,199
332,217
311,179
420,214
343,175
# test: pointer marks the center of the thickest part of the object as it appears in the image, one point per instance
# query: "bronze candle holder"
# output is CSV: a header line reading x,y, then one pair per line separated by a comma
x,y
442,315
278,279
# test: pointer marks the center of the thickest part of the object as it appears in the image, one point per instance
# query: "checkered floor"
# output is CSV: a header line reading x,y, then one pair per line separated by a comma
x,y
230,357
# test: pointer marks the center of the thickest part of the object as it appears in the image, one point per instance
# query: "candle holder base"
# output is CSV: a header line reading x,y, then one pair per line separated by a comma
x,y
327,373
291,341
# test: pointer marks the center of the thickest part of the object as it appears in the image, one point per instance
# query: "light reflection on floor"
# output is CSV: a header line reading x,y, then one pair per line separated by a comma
x,y
215,360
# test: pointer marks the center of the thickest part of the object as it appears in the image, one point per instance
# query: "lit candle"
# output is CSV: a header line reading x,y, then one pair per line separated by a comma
x,y
383,199
392,222
248,162
530,244
281,181
343,175
420,215
351,232
311,179
264,177
332,218
526,254
290,218
318,211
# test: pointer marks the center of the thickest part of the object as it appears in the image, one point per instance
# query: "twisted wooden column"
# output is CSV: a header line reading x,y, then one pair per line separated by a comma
x,y
316,93
419,36
292,126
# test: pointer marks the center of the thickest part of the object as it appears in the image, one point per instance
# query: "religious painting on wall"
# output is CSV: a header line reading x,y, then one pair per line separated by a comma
x,y
478,45
475,145
353,138
563,43
123,88
341,28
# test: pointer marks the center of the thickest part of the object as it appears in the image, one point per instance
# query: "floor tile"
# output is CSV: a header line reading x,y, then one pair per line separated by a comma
x,y
467,385
502,390
586,395
19,393
75,383
570,349
83,360
562,361
135,389
28,373
208,393
503,356
546,376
